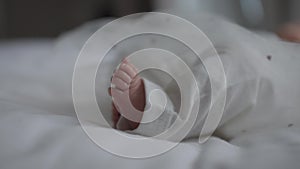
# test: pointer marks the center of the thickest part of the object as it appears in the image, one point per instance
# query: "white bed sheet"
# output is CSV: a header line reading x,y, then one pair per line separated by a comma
x,y
39,128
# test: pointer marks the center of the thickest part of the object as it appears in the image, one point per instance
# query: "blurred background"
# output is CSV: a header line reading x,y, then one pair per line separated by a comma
x,y
49,18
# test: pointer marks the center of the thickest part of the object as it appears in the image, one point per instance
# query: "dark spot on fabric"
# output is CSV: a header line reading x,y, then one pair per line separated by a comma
x,y
244,131
269,57
290,125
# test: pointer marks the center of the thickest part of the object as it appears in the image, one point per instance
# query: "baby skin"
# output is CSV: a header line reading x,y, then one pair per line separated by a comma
x,y
127,84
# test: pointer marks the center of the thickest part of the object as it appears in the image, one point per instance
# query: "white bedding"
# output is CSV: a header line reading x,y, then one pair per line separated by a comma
x,y
39,128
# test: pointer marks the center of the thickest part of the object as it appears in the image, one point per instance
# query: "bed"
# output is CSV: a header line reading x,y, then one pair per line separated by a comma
x,y
39,128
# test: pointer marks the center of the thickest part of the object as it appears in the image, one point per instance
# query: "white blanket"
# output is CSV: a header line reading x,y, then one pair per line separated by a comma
x,y
39,128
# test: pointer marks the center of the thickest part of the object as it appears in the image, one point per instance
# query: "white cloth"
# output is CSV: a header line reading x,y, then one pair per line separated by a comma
x,y
39,128
262,82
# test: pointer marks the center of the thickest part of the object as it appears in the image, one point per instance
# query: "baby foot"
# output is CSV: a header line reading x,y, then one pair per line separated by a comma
x,y
128,95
